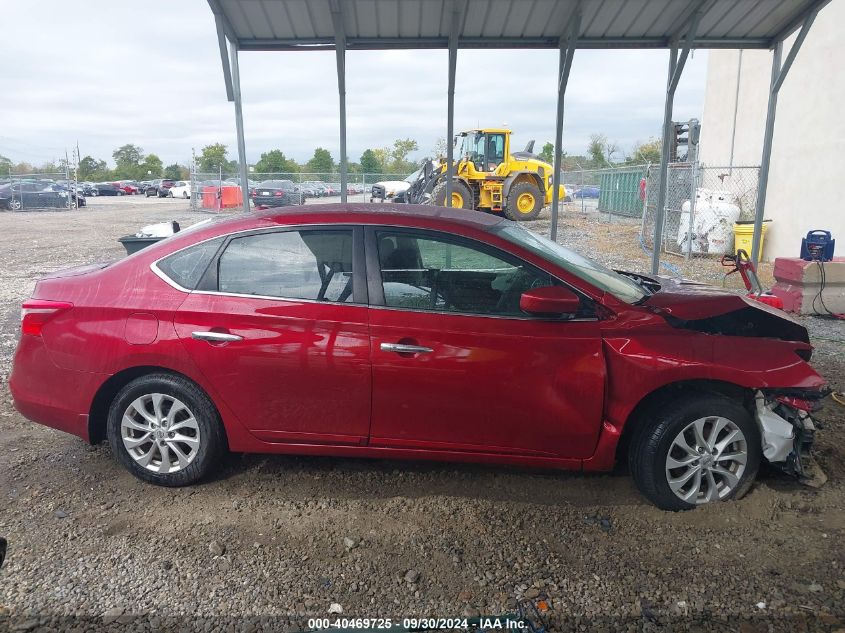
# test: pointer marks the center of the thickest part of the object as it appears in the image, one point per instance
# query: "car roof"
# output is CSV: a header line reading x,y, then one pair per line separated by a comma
x,y
374,213
410,215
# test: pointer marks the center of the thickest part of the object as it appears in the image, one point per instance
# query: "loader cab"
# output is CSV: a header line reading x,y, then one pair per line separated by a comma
x,y
486,150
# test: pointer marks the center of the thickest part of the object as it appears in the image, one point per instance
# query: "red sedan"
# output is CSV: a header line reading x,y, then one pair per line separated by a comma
x,y
425,332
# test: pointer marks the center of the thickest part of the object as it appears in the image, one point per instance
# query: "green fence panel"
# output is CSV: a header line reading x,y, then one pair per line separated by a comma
x,y
620,192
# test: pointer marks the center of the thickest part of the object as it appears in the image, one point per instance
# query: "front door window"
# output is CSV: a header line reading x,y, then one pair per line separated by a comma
x,y
423,272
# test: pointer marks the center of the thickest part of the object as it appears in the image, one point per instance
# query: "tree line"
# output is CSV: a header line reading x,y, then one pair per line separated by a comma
x,y
132,163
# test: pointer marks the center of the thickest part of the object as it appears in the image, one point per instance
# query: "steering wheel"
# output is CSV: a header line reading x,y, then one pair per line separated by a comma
x,y
514,285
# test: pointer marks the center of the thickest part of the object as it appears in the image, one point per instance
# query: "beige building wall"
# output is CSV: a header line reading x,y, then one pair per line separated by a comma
x,y
807,173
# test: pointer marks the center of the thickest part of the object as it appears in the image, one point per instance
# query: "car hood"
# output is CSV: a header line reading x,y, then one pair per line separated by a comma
x,y
394,185
693,305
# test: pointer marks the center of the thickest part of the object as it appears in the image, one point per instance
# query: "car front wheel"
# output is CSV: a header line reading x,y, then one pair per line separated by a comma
x,y
695,450
165,430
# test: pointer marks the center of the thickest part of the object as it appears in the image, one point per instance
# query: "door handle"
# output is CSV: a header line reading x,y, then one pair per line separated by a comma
x,y
216,337
401,348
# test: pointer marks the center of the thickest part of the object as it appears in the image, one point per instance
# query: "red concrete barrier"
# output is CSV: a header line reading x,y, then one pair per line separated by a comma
x,y
810,287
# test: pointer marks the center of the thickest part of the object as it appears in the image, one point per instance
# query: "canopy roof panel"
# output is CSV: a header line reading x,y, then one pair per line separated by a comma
x,y
391,24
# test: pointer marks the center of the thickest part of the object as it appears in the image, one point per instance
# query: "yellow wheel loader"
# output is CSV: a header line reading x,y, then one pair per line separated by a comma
x,y
488,177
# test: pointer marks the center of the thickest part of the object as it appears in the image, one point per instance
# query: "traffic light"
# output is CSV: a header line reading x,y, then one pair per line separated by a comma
x,y
684,140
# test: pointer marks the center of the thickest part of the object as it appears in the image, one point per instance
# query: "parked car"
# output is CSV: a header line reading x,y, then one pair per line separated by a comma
x,y
85,189
180,189
159,187
307,191
37,195
276,193
77,199
129,187
390,190
108,189
344,331
587,192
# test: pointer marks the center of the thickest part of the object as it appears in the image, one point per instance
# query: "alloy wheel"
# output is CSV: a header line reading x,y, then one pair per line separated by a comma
x,y
706,460
160,433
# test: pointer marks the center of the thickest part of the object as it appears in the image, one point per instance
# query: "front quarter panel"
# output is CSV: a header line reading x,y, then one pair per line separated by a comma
x,y
641,362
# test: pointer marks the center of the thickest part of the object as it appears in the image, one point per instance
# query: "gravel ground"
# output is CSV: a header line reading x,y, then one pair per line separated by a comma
x,y
273,540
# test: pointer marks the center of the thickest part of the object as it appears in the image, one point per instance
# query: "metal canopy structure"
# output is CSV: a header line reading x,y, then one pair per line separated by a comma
x,y
566,25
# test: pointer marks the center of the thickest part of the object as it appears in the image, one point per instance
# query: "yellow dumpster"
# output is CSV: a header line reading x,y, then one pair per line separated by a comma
x,y
744,236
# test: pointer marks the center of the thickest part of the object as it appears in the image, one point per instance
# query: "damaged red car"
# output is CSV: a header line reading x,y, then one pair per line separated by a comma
x,y
414,332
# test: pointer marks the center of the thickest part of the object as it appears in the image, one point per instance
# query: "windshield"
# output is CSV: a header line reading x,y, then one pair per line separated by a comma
x,y
413,177
623,288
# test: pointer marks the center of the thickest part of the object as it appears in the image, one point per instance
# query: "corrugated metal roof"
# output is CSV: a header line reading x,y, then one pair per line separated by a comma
x,y
384,24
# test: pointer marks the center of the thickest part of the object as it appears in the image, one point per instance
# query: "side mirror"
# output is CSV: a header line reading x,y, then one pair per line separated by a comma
x,y
549,301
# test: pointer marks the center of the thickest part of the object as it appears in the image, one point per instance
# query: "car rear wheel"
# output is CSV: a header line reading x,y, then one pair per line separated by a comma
x,y
694,451
16,204
185,195
165,430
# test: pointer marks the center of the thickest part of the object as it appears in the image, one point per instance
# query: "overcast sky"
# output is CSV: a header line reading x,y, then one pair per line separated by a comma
x,y
108,72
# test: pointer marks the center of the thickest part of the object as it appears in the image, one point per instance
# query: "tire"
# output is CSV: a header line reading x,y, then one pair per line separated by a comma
x,y
655,442
460,194
16,204
207,430
146,194
185,195
121,193
525,201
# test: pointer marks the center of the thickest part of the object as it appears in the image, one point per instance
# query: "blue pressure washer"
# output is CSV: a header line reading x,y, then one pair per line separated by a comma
x,y
817,246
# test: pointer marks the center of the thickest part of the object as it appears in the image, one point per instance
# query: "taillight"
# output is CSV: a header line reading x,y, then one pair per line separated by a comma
x,y
278,194
35,313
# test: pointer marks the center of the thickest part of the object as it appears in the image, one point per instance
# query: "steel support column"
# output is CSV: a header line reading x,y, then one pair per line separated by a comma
x,y
450,99
677,61
340,52
778,75
239,124
567,51
224,30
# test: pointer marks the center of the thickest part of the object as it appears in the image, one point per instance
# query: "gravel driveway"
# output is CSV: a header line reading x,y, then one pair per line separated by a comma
x,y
272,540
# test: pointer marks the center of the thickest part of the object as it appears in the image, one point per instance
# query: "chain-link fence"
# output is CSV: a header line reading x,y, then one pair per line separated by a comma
x,y
614,190
702,205
32,191
217,192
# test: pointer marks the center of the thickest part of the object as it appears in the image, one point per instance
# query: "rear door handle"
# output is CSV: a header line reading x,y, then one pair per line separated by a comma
x,y
216,337
401,348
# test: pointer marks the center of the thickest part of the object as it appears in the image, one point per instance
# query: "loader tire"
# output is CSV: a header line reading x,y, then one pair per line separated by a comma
x,y
525,201
461,195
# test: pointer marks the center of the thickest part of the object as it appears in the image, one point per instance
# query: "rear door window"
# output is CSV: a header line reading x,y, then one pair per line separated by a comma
x,y
307,264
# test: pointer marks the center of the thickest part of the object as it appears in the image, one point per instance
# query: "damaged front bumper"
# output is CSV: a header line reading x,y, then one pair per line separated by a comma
x,y
788,429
